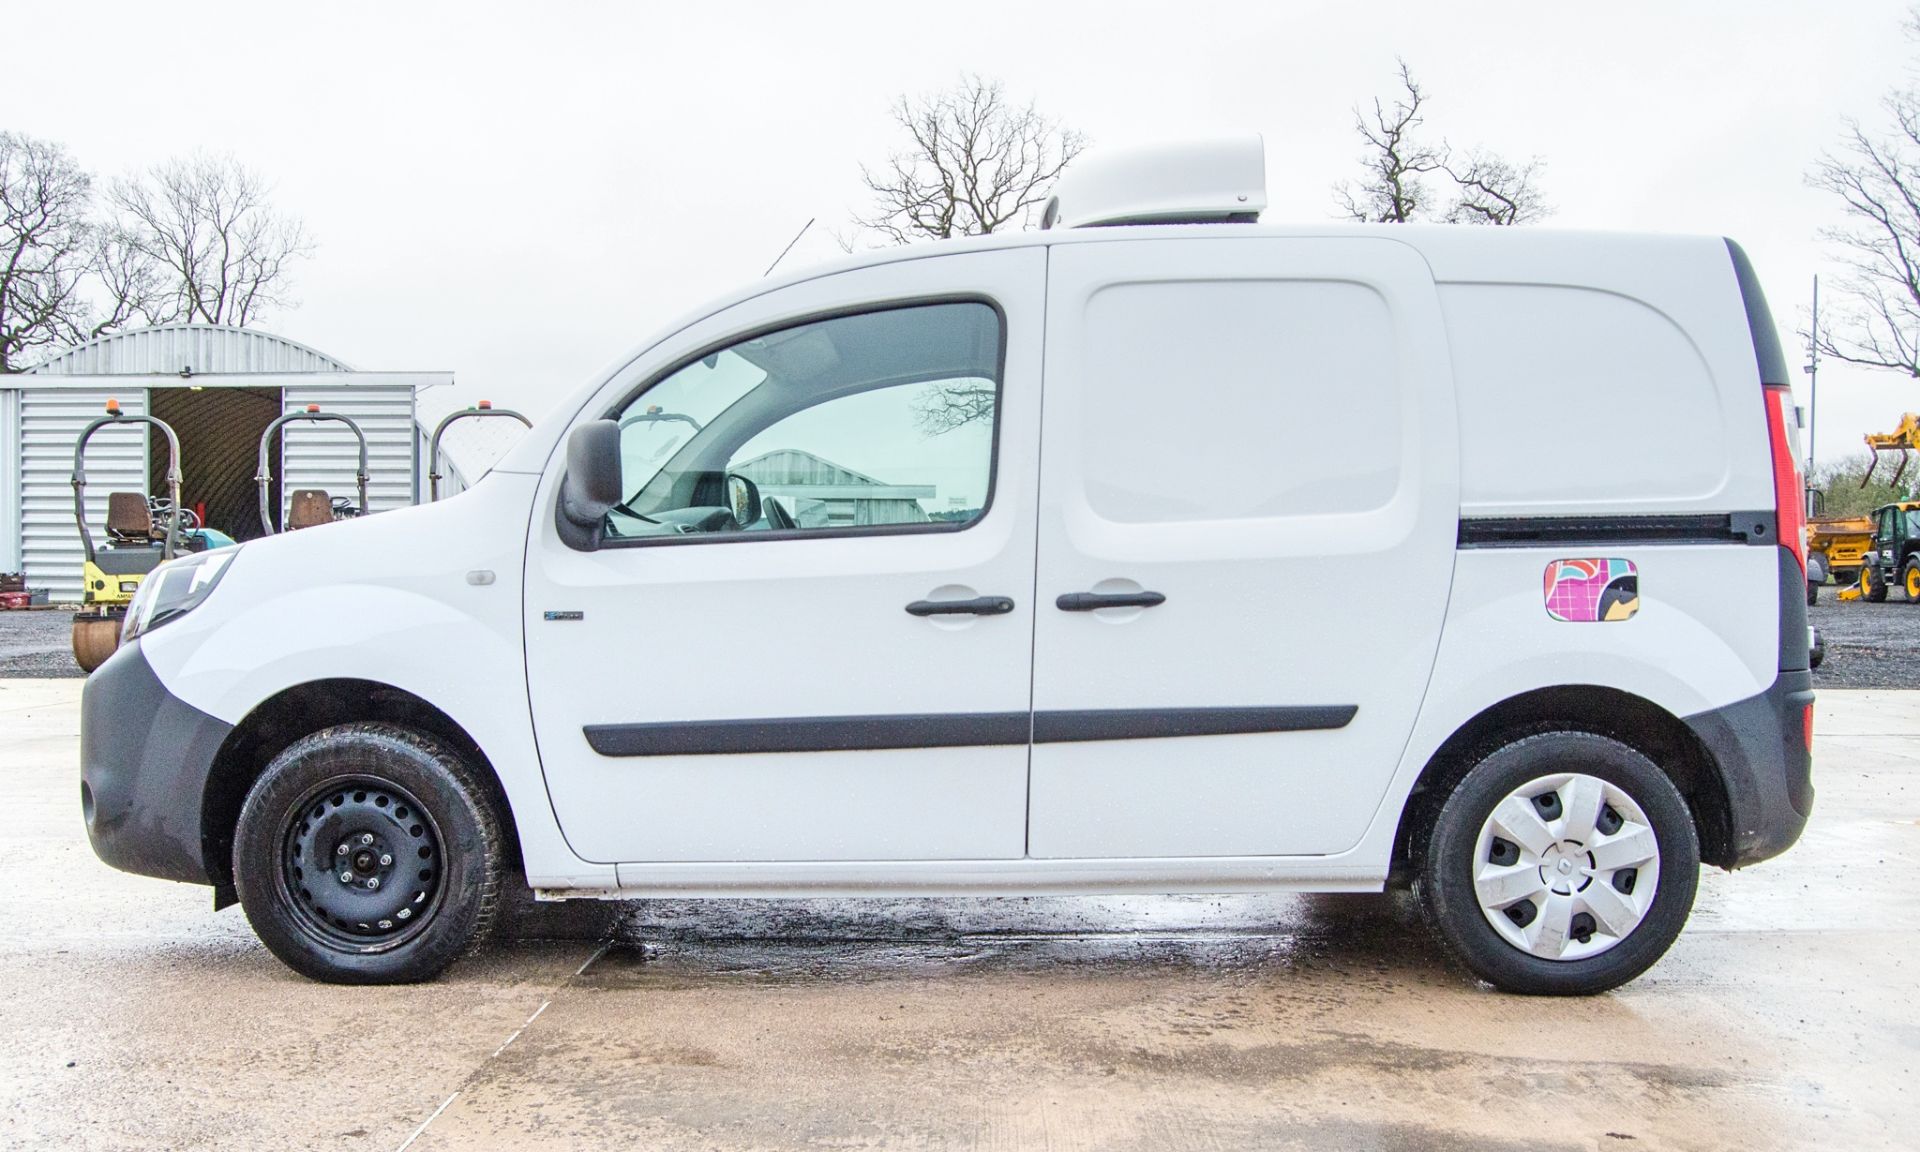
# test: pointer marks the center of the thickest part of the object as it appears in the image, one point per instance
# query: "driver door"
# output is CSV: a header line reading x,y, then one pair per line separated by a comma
x,y
807,634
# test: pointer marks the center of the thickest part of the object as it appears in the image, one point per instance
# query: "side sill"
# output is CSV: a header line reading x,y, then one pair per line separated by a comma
x,y
985,878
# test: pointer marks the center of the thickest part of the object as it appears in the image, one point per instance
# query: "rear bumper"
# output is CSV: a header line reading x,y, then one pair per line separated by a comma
x,y
1759,747
144,760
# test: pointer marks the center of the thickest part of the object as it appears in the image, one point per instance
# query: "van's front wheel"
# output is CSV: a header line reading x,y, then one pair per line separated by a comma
x,y
1564,863
368,854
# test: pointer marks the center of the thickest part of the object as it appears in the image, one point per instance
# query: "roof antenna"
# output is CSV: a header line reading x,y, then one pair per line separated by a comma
x,y
789,247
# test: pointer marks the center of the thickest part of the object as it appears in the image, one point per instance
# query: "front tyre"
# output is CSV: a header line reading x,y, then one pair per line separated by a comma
x,y
368,854
1874,587
1564,863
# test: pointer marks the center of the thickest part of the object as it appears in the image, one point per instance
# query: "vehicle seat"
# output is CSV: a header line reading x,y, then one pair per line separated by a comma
x,y
310,506
128,521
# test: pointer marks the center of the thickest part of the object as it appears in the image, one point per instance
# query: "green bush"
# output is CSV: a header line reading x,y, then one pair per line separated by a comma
x,y
1840,493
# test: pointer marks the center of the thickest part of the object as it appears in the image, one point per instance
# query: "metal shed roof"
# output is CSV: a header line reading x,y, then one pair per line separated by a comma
x,y
171,349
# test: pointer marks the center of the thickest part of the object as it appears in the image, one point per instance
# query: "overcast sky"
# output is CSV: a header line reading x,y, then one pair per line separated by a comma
x,y
521,193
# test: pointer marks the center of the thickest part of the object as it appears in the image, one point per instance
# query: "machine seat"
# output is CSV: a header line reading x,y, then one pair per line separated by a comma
x,y
128,520
309,506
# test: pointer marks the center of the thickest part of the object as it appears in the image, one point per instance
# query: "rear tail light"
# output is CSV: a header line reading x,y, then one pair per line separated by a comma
x,y
1789,496
1806,726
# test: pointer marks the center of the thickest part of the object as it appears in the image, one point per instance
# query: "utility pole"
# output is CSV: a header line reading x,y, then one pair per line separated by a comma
x,y
1813,378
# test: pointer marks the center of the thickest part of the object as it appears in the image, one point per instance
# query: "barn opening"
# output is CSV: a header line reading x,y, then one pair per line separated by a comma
x,y
219,430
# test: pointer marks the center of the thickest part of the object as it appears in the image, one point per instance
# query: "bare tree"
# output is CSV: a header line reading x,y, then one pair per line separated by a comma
x,y
1485,188
1877,179
1491,190
216,250
45,248
127,282
1394,190
945,406
974,164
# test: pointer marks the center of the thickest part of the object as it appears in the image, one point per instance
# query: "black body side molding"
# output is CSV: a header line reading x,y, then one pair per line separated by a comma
x,y
951,729
809,734
1157,723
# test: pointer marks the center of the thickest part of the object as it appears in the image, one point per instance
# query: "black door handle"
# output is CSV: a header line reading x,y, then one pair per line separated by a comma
x,y
978,606
1089,601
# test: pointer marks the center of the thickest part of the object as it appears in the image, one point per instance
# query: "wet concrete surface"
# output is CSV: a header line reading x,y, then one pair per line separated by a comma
x,y
1786,1017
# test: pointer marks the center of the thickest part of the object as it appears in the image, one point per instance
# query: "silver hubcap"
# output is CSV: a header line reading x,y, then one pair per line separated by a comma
x,y
1566,867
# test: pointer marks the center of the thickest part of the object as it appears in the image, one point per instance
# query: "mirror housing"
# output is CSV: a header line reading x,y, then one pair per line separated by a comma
x,y
743,500
591,486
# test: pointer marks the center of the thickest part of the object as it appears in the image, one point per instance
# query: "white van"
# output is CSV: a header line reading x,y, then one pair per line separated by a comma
x,y
1157,551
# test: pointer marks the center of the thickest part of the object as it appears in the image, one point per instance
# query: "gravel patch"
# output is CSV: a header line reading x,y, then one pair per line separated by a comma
x,y
1868,645
37,643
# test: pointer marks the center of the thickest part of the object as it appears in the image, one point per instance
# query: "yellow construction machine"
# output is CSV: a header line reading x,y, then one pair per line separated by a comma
x,y
1883,547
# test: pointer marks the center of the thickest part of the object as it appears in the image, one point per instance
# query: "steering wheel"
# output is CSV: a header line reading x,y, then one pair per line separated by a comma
x,y
777,517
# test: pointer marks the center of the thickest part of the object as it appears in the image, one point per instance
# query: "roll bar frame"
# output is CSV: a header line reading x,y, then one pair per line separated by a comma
x,y
433,445
264,476
116,417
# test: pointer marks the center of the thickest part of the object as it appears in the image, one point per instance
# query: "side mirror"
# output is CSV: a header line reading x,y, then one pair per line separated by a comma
x,y
743,499
591,486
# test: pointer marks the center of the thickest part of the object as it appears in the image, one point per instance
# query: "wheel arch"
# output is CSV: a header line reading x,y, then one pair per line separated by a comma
x,y
301,710
1633,720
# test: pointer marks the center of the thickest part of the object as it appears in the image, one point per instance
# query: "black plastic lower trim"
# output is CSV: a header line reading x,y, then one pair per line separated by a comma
x,y
1759,746
950,730
145,756
1794,640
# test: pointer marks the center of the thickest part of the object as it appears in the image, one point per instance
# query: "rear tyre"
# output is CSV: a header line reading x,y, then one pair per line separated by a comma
x,y
1910,580
1564,863
368,854
1813,595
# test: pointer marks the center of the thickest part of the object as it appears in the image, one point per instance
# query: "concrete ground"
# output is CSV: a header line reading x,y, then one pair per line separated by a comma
x,y
1787,1016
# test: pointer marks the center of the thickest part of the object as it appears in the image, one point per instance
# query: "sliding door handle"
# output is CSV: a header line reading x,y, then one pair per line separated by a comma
x,y
1092,601
978,606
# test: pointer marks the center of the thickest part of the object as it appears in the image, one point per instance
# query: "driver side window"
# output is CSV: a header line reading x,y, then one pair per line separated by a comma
x,y
877,422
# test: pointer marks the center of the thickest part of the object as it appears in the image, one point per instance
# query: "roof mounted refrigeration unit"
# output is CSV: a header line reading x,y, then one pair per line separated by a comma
x,y
1207,182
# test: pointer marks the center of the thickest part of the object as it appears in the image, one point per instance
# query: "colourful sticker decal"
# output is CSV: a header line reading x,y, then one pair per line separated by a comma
x,y
1584,591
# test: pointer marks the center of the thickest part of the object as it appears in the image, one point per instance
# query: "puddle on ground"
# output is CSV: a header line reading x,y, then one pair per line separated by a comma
x,y
667,943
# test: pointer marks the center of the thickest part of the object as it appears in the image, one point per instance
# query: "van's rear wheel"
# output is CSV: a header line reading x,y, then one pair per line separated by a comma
x,y
368,854
1563,863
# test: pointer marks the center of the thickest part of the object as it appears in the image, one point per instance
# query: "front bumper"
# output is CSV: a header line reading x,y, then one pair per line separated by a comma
x,y
145,756
1759,746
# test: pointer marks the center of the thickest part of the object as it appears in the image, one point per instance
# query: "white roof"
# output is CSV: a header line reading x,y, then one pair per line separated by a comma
x,y
171,349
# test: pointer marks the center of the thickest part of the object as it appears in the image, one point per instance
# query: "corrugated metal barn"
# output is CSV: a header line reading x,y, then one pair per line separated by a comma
x,y
219,388
823,494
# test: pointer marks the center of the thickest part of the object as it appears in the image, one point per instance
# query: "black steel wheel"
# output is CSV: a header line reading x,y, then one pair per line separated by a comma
x,y
368,854
361,863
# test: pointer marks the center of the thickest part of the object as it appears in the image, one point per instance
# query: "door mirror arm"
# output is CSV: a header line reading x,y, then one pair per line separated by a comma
x,y
591,487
